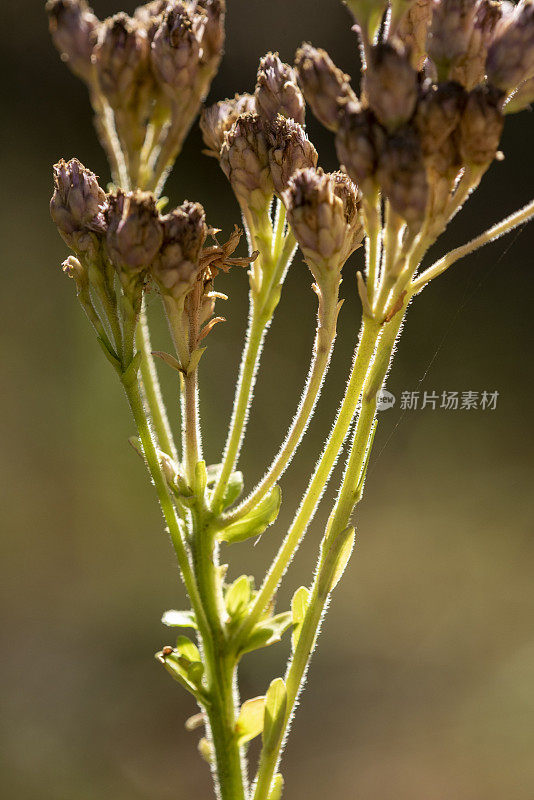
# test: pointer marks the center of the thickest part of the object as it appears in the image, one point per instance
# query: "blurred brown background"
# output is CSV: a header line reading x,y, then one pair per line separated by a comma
x,y
423,684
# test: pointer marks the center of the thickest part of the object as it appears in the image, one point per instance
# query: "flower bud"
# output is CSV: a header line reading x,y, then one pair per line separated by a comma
x,y
349,195
358,144
176,266
390,85
450,32
289,150
77,205
318,219
481,125
134,233
325,86
121,59
277,91
74,29
245,162
402,176
511,56
438,113
219,118
175,51
412,31
470,70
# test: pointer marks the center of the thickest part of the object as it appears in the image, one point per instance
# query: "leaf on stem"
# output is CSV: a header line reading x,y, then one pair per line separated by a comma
x,y
277,787
339,555
267,632
250,720
299,604
234,487
275,712
256,521
238,596
171,361
179,619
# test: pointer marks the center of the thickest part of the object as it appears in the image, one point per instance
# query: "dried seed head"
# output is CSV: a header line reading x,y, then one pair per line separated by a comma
x,y
450,32
121,59
245,162
134,233
277,91
402,176
481,125
511,56
326,88
176,266
175,52
74,29
77,205
470,69
289,150
219,118
390,85
358,143
318,218
412,31
438,113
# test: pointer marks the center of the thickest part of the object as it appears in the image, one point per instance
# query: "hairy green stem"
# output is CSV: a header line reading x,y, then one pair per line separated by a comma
x,y
368,338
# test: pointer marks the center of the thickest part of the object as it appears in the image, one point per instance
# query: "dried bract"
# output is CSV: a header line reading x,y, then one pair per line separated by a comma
x,y
511,56
358,143
134,234
217,119
326,88
277,91
481,126
74,29
450,33
402,176
177,263
77,205
245,162
390,85
289,150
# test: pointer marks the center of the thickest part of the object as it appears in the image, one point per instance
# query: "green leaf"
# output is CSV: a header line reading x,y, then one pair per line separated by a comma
x,y
233,489
187,649
299,604
267,632
130,373
275,712
111,356
341,551
250,720
179,668
277,787
256,521
238,596
179,619
194,359
201,478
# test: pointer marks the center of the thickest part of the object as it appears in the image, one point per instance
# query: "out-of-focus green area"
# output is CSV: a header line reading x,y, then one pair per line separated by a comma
x,y
423,684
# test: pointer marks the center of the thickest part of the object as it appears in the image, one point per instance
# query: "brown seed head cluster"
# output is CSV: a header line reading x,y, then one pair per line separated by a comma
x,y
151,71
260,139
125,231
435,86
